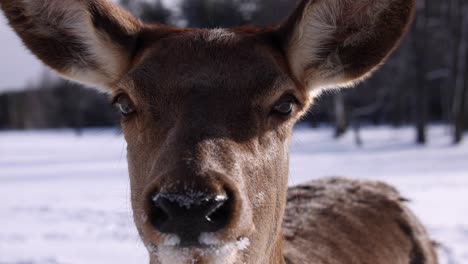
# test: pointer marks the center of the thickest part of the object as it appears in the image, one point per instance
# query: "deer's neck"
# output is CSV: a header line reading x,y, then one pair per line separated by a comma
x,y
277,256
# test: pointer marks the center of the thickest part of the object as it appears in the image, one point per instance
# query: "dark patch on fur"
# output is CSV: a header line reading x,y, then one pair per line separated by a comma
x,y
404,200
416,255
287,260
107,23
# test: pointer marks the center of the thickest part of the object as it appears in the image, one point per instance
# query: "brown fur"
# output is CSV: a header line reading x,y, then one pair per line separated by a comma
x,y
204,122
351,220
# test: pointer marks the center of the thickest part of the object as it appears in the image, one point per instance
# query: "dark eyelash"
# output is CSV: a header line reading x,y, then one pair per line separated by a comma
x,y
114,99
291,98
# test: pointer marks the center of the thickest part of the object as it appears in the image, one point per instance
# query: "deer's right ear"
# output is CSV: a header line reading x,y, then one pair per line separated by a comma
x,y
332,43
87,41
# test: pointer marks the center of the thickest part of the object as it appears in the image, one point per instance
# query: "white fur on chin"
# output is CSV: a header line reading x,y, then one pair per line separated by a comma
x,y
214,253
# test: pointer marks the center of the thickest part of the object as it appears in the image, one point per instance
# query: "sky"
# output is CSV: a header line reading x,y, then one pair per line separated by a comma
x,y
17,65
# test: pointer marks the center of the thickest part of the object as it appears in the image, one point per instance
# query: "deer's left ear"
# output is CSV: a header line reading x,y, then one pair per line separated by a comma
x,y
331,43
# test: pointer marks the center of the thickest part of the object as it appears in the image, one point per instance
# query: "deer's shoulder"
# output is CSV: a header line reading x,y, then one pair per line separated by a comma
x,y
338,220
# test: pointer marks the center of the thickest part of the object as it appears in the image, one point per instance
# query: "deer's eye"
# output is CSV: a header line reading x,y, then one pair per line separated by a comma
x,y
284,106
124,104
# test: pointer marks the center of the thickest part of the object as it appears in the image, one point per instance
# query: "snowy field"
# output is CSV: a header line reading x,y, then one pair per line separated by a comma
x,y
65,199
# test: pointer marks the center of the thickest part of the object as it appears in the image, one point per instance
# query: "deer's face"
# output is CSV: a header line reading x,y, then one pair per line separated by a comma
x,y
208,114
208,136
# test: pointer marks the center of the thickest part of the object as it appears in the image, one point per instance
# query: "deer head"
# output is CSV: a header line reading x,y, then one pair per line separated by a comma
x,y
208,114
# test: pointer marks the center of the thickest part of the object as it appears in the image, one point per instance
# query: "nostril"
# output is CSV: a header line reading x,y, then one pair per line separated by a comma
x,y
160,213
188,215
220,211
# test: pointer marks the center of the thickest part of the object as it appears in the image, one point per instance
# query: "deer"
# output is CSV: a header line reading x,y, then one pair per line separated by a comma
x,y
208,116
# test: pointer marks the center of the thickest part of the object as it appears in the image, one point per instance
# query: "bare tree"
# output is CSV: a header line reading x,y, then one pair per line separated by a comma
x,y
421,94
460,69
340,113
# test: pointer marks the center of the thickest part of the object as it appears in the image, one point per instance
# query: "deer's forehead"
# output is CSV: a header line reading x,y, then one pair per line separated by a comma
x,y
209,63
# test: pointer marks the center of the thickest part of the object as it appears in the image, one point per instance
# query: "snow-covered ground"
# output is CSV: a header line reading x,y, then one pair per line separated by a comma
x,y
65,199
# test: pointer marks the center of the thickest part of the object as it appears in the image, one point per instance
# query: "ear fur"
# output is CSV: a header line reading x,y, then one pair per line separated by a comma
x,y
333,43
90,41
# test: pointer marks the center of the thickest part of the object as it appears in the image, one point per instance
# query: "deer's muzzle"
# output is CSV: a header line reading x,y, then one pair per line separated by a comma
x,y
190,211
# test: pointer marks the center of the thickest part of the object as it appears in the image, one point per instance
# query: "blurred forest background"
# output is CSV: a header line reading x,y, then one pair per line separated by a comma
x,y
425,80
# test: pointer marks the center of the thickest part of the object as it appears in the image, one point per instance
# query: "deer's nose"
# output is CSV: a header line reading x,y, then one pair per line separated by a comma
x,y
188,216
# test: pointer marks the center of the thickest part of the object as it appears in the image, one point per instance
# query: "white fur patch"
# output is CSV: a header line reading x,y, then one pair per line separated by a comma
x,y
216,252
143,218
171,240
219,34
171,255
259,199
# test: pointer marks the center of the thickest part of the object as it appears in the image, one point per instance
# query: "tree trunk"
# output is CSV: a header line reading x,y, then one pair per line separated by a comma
x,y
340,115
421,94
459,100
357,133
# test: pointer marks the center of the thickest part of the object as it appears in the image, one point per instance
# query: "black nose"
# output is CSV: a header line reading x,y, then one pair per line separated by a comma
x,y
189,215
